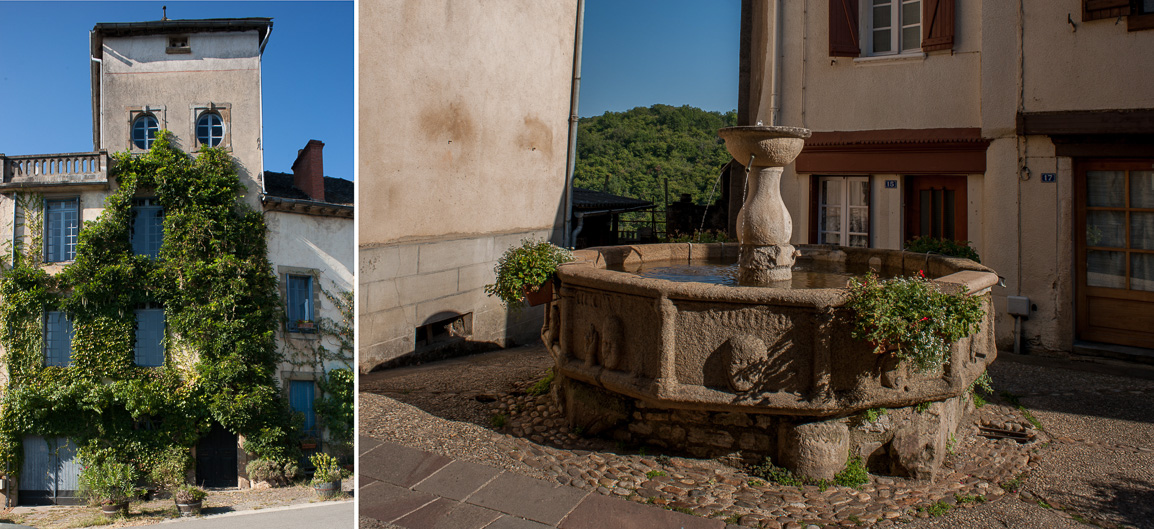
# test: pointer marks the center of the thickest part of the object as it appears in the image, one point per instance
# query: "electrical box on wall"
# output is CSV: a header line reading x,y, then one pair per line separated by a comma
x,y
1018,305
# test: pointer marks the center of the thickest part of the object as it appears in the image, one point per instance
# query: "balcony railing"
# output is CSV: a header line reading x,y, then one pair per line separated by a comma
x,y
55,170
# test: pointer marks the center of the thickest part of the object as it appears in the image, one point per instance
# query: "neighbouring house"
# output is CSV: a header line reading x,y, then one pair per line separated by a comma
x,y
464,116
1023,127
597,219
128,349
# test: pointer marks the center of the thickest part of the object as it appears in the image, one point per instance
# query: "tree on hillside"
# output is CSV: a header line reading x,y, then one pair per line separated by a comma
x,y
631,153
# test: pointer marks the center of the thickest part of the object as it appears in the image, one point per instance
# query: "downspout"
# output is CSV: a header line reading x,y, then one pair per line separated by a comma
x,y
775,75
567,238
260,78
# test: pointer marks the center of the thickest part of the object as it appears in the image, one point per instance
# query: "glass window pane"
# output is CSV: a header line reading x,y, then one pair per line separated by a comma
x,y
911,38
859,241
882,41
149,337
1105,269
1142,189
1106,228
882,15
1105,189
831,238
911,13
1142,230
832,219
859,192
831,192
1142,271
301,397
858,220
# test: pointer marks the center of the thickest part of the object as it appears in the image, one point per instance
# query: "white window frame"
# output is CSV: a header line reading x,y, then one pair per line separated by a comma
x,y
844,208
896,27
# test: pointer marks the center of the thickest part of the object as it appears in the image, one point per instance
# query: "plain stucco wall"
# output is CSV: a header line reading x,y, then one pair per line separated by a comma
x,y
463,135
222,68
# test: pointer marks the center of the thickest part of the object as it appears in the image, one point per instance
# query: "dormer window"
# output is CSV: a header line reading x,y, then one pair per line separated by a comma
x,y
178,44
144,130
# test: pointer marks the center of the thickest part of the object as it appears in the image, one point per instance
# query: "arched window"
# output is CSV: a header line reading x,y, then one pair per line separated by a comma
x,y
209,129
144,131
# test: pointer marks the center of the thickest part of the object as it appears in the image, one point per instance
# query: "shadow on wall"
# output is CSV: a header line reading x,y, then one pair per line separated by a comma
x,y
450,334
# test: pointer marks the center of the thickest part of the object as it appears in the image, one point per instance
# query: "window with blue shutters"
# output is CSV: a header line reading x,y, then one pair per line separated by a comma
x,y
302,393
147,227
299,303
61,225
150,337
57,339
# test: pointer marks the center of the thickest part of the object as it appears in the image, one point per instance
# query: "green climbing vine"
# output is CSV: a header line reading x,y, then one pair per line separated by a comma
x,y
221,304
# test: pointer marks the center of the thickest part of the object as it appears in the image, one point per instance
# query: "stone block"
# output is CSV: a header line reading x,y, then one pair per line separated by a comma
x,y
733,419
753,441
448,255
425,287
641,428
701,436
387,262
690,416
816,450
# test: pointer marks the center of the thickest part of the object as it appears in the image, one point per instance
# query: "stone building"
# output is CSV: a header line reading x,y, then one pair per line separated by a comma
x,y
201,81
1018,126
463,145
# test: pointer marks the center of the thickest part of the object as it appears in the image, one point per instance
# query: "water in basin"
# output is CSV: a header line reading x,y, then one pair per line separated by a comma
x,y
807,273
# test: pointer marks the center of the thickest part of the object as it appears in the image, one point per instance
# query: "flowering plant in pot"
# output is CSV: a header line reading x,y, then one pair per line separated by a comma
x,y
525,270
110,484
912,317
189,499
327,475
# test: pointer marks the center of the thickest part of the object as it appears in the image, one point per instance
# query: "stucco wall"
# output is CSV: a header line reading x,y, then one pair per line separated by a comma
x,y
222,68
463,135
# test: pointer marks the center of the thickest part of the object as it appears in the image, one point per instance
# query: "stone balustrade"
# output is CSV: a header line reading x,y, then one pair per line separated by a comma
x,y
30,172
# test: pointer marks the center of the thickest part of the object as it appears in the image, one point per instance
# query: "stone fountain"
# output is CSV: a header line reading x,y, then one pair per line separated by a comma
x,y
714,370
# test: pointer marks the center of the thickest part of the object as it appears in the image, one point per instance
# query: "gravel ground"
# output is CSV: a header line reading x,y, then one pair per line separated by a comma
x,y
156,511
1094,462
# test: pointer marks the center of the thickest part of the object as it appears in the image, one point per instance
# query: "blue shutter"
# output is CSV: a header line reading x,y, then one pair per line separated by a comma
x,y
57,339
301,397
147,228
149,337
61,227
300,300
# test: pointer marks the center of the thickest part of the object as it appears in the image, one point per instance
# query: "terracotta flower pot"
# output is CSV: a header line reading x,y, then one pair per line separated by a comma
x,y
112,509
541,296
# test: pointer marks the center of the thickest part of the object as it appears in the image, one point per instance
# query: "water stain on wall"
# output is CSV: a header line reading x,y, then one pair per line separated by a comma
x,y
448,123
536,136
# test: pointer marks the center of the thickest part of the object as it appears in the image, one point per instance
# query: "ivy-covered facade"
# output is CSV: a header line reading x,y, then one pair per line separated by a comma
x,y
141,318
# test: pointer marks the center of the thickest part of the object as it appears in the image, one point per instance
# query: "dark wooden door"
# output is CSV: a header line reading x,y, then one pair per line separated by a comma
x,y
936,207
216,458
1114,246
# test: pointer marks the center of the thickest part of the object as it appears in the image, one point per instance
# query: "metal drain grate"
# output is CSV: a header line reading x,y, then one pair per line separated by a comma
x,y
1022,436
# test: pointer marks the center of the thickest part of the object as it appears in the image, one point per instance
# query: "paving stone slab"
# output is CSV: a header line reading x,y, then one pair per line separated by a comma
x,y
365,444
385,502
401,465
458,480
529,498
603,512
513,522
448,514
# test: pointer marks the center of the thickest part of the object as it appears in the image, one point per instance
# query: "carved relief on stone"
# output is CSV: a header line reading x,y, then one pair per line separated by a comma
x,y
592,345
747,357
612,342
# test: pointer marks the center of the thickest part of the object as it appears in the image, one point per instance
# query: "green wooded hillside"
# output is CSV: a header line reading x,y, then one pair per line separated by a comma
x,y
630,153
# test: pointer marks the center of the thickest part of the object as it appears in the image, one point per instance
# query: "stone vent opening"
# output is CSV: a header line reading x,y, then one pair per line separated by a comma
x,y
444,329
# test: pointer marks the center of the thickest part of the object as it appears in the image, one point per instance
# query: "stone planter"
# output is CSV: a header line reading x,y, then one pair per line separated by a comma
x,y
189,509
327,490
112,509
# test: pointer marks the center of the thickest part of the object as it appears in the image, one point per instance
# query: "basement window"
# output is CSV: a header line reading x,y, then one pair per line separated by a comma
x,y
444,330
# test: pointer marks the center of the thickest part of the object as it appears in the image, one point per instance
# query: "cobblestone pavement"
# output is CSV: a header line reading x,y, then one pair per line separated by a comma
x,y
1091,462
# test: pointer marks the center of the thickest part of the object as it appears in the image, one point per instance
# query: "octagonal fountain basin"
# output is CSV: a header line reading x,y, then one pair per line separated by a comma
x,y
710,369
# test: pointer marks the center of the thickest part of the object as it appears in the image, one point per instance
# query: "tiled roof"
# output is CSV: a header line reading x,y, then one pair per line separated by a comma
x,y
337,190
587,199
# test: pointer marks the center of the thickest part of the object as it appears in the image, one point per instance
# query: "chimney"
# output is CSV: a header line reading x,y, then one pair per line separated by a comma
x,y
309,171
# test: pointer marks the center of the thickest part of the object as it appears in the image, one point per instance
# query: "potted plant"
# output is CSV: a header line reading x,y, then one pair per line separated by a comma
x,y
912,317
327,475
526,271
306,325
110,484
308,443
188,499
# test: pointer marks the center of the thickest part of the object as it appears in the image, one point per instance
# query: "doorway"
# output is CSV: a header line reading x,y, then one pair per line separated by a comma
x,y
935,206
216,458
50,473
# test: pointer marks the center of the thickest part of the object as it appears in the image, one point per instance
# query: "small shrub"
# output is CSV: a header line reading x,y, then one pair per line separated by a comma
x,y
276,472
169,471
654,474
951,444
328,469
542,386
756,483
109,482
497,420
187,494
775,474
947,247
922,406
937,509
873,414
855,473
1013,485
522,267
966,499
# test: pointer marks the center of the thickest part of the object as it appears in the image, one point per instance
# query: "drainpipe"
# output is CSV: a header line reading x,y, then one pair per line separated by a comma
x,y
775,75
567,239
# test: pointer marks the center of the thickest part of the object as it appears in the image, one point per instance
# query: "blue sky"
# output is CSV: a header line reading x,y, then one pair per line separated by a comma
x,y
674,52
44,74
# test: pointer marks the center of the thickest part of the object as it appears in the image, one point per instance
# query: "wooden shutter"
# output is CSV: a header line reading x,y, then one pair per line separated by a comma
x,y
843,29
1098,9
937,25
